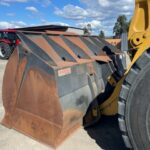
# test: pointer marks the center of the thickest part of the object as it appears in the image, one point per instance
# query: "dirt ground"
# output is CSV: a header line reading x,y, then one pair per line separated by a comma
x,y
104,135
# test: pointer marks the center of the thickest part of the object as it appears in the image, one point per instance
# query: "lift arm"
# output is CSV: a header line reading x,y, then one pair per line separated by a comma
x,y
140,25
139,32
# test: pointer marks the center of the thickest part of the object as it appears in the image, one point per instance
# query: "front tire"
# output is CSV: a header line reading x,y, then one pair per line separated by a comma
x,y
134,105
5,50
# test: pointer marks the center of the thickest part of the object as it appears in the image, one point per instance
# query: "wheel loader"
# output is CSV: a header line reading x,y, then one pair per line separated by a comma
x,y
55,82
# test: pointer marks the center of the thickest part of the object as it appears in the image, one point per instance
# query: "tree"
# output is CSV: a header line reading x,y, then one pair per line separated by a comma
x,y
86,32
102,34
121,26
87,29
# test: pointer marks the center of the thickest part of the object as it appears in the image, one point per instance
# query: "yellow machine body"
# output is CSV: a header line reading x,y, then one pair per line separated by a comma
x,y
138,37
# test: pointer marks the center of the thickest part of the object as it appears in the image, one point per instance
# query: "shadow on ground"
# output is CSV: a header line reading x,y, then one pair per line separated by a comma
x,y
106,133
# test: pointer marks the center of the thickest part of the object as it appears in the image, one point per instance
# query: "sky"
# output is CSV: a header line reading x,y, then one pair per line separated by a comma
x,y
101,14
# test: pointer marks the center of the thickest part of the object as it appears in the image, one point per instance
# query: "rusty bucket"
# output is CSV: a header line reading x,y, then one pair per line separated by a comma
x,y
50,81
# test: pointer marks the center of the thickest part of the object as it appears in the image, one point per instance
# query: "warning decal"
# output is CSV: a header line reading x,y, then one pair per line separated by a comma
x,y
64,72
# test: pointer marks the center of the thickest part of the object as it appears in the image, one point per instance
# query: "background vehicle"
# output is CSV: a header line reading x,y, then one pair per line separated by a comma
x,y
8,41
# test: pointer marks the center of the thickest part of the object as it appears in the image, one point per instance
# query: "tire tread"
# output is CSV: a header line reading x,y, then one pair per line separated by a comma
x,y
126,87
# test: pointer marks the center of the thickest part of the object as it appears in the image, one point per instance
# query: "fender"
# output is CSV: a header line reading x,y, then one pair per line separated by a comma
x,y
5,41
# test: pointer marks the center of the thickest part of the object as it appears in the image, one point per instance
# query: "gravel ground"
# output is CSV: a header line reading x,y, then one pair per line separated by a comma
x,y
103,135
